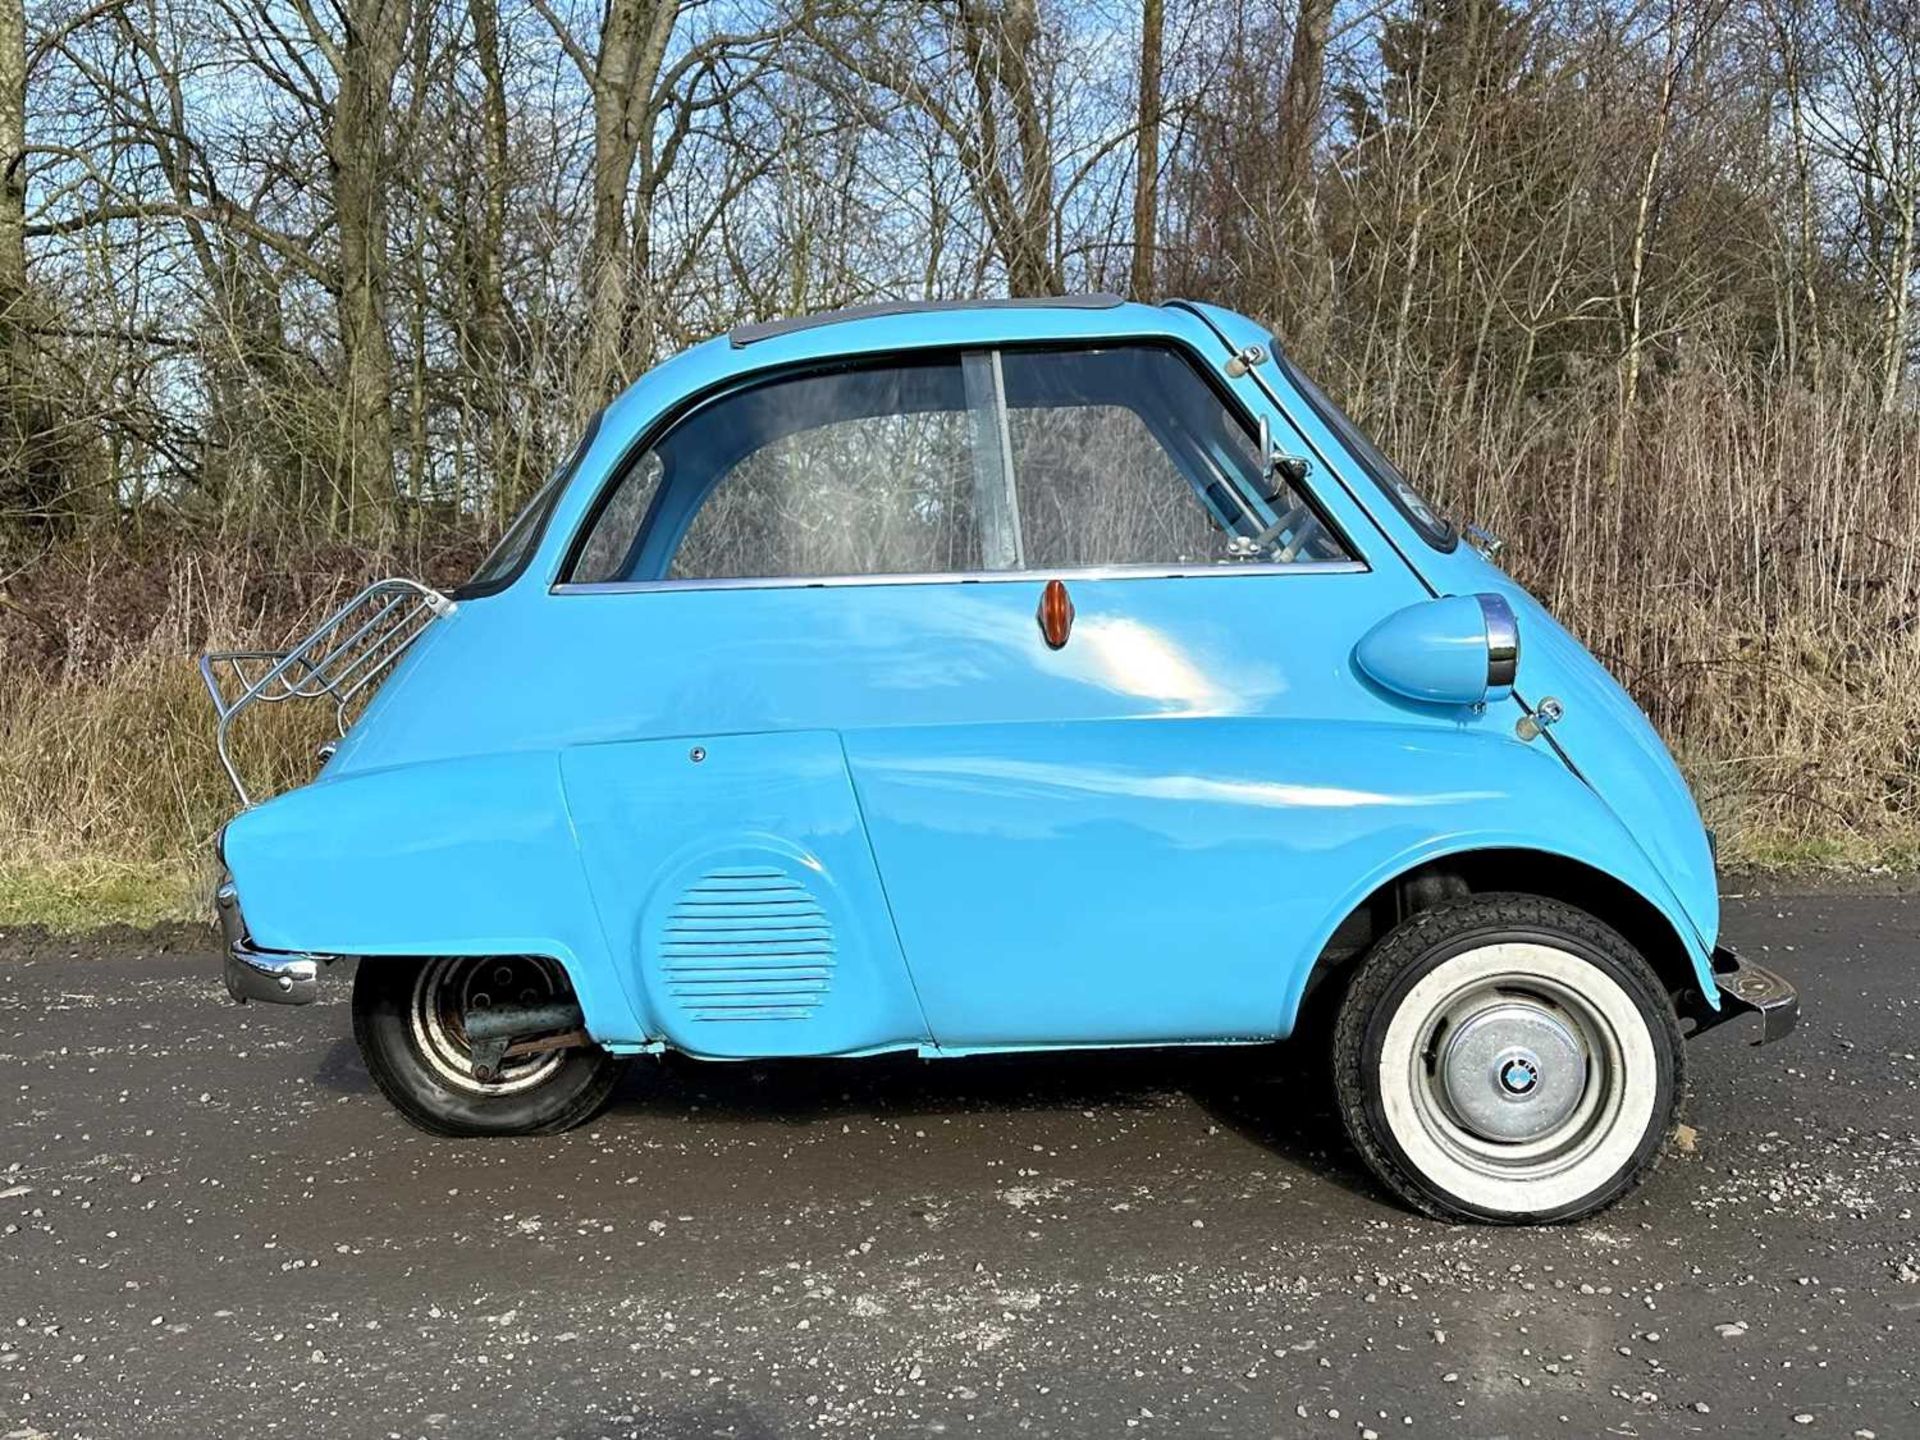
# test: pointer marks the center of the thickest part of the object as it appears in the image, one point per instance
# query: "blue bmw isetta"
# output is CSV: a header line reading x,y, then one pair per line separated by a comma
x,y
991,677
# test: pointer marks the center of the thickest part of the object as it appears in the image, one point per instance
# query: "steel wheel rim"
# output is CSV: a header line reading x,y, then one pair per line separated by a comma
x,y
446,988
1567,1138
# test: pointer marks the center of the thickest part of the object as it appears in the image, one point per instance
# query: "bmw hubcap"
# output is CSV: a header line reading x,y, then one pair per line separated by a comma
x,y
1511,1070
1515,1076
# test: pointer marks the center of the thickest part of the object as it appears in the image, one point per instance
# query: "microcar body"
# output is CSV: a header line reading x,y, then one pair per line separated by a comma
x,y
994,677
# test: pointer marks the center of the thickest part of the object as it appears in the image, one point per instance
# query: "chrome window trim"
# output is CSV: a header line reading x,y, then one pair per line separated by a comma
x,y
967,577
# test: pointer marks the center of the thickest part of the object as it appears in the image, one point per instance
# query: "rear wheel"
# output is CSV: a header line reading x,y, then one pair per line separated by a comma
x,y
1508,1058
409,1017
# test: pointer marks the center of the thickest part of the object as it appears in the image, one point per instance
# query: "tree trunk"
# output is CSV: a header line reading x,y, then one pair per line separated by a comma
x,y
13,163
1031,269
1806,244
15,379
1897,304
1633,299
376,32
487,325
1305,298
601,362
1301,99
1146,184
633,44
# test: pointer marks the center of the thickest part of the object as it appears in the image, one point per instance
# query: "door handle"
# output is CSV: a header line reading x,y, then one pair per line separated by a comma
x,y
1055,614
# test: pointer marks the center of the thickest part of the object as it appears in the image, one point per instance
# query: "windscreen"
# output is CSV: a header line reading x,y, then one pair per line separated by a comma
x,y
1434,528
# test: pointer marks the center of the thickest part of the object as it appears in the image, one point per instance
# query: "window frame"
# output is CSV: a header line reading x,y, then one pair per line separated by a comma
x,y
545,501
1444,535
1356,564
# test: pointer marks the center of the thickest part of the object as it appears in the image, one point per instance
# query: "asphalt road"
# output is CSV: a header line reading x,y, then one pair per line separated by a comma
x,y
210,1225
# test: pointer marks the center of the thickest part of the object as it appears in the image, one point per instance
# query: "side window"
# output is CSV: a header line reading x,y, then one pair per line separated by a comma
x,y
850,472
990,460
866,472
608,551
1126,456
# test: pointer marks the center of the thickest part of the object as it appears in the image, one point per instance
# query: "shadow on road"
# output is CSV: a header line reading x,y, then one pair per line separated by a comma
x,y
1277,1096
341,1071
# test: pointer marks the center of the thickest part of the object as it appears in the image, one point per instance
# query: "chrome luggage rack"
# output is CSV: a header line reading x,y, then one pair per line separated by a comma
x,y
339,659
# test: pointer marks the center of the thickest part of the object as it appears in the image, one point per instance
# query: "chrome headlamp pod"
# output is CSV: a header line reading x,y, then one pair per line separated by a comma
x,y
1503,642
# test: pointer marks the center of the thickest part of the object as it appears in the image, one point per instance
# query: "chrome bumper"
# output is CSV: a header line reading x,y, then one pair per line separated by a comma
x,y
1748,989
271,976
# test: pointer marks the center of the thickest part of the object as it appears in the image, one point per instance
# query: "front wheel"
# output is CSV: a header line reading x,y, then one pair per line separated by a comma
x,y
1508,1059
409,1017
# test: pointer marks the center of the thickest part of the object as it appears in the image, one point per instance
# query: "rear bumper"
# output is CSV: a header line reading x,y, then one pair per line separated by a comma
x,y
1747,989
270,976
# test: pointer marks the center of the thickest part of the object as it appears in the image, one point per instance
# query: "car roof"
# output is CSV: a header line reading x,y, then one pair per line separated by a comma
x,y
742,336
889,329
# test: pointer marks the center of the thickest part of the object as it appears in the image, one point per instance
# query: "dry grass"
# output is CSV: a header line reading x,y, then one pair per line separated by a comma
x,y
1751,575
110,786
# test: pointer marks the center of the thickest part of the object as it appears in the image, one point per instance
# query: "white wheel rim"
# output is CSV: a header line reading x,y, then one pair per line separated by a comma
x,y
445,989
1518,1077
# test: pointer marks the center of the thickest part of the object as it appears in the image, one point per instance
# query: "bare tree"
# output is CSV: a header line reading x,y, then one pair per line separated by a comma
x,y
14,378
366,61
1146,185
973,70
1679,36
423,237
13,155
1872,54
1302,98
646,103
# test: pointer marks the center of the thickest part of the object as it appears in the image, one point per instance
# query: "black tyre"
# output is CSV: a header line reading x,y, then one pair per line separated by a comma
x,y
409,1019
1509,1059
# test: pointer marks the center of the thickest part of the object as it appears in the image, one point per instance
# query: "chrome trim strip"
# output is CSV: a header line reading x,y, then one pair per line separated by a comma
x,y
1191,348
1503,641
962,577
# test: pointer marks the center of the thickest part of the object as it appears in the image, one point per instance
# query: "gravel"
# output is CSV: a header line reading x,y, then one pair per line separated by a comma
x,y
209,1224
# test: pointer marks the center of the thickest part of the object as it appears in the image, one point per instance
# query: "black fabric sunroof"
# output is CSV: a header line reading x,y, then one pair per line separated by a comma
x,y
744,335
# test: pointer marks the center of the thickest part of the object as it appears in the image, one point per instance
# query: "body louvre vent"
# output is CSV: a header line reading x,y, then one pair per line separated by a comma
x,y
747,943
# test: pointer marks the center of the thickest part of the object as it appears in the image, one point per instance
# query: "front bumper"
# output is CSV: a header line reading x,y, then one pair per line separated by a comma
x,y
271,976
1747,989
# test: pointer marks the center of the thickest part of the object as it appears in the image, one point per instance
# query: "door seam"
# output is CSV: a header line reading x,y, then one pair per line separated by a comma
x,y
886,893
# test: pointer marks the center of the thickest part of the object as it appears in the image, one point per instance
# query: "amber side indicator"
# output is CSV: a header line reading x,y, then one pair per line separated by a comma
x,y
1056,614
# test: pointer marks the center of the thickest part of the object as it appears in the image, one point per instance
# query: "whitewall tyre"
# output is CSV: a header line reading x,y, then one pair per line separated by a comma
x,y
1508,1059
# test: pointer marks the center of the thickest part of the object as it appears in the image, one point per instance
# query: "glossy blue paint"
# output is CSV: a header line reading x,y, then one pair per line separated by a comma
x,y
1604,735
1432,650
834,818
1278,831
470,855
1610,741
734,881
